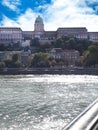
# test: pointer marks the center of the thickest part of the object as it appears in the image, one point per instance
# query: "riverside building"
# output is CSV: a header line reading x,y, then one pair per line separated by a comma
x,y
9,35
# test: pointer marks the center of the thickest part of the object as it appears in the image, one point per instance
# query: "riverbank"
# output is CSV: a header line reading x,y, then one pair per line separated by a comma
x,y
67,70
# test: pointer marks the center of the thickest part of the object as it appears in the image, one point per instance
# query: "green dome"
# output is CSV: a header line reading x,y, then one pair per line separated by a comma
x,y
39,20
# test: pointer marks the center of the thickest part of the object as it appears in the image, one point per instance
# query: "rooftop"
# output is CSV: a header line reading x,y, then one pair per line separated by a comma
x,y
39,20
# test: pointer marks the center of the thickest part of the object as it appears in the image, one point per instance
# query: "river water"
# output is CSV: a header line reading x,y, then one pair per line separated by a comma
x,y
44,102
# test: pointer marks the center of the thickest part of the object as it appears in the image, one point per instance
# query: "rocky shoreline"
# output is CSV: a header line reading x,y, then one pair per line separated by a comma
x,y
66,71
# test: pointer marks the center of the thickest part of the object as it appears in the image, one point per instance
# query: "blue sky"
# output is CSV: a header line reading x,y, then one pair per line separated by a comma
x,y
55,13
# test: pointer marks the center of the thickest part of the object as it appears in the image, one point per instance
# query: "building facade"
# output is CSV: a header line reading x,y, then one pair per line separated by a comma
x,y
9,35
80,33
70,56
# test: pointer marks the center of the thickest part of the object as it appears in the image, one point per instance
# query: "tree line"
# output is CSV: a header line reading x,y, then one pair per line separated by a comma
x,y
88,52
88,49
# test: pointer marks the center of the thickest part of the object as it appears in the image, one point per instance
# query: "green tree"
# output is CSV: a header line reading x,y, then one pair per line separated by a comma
x,y
35,42
59,43
15,57
18,64
2,47
8,63
14,62
53,63
2,64
71,43
46,46
40,60
91,56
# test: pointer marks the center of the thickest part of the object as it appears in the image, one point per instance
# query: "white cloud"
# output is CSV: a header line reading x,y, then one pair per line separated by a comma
x,y
8,22
60,13
68,13
11,4
25,21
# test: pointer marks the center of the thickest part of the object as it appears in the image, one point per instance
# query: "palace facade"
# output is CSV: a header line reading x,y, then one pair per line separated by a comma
x,y
9,35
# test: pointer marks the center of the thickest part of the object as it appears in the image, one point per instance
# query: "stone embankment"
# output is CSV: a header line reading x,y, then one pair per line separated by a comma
x,y
66,70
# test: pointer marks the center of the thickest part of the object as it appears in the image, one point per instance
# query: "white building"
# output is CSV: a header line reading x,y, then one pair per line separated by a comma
x,y
77,32
80,33
9,35
93,36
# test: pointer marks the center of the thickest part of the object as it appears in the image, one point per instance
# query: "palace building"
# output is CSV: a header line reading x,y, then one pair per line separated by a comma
x,y
9,35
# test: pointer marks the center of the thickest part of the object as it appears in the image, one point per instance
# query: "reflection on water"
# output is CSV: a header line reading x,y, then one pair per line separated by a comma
x,y
44,102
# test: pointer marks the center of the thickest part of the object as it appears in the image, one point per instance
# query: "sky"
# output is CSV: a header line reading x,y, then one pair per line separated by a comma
x,y
55,14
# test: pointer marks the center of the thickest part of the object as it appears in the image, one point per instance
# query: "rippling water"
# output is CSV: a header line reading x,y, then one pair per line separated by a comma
x,y
44,102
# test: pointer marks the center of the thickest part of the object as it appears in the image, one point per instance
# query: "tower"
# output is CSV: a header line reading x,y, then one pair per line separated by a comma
x,y
39,26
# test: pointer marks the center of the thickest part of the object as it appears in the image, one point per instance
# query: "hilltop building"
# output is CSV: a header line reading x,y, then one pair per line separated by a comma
x,y
9,35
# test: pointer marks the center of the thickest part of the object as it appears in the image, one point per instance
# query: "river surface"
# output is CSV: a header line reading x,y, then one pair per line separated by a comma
x,y
44,102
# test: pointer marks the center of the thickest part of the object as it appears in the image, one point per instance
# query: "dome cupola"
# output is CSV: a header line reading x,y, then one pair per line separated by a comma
x,y
39,20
